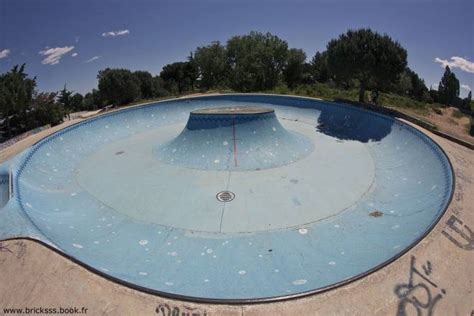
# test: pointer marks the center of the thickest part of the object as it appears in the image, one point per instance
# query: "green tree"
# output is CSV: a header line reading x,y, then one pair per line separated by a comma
x,y
466,104
374,60
256,61
293,71
418,91
92,100
45,110
65,97
319,67
159,87
16,90
448,88
191,71
213,66
403,86
118,86
77,102
146,83
175,77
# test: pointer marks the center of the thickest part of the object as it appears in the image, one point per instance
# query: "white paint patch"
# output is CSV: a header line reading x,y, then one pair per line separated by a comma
x,y
303,231
209,250
78,246
332,263
169,283
216,161
73,194
242,272
299,282
225,143
142,273
206,280
143,242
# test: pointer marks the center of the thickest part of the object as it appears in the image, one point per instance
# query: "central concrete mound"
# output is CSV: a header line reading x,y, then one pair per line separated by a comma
x,y
234,138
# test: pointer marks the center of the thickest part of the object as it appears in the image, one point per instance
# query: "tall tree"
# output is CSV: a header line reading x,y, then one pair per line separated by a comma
x,y
16,91
448,88
294,69
146,83
191,70
374,60
466,104
92,100
213,66
319,67
118,86
159,87
179,77
418,91
45,110
77,102
64,97
256,61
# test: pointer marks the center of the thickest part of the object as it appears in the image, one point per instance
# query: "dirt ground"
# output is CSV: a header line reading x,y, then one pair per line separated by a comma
x,y
450,121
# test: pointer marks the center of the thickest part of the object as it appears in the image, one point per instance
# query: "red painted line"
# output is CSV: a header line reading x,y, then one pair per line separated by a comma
x,y
235,143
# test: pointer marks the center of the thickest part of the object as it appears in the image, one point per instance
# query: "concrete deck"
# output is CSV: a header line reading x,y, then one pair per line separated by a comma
x,y
435,277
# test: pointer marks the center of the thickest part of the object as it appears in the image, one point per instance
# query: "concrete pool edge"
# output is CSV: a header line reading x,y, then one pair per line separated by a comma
x,y
277,298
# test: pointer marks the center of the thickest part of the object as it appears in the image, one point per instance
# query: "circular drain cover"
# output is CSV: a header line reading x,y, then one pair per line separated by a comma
x,y
225,196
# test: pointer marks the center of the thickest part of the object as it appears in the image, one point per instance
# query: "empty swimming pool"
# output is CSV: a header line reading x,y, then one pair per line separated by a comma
x,y
230,197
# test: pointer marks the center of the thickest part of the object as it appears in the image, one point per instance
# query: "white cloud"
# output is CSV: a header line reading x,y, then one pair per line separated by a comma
x,y
457,62
74,54
465,87
4,53
115,33
53,55
92,59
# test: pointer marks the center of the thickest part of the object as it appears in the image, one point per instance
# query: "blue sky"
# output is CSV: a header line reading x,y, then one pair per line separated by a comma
x,y
146,35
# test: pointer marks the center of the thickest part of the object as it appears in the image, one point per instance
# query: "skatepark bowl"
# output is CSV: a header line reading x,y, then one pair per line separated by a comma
x,y
229,198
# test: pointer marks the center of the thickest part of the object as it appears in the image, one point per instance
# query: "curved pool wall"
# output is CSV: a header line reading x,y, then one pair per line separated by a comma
x,y
209,141
411,188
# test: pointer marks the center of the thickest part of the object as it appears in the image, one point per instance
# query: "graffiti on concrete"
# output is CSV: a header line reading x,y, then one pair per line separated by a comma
x,y
4,248
460,235
166,310
420,295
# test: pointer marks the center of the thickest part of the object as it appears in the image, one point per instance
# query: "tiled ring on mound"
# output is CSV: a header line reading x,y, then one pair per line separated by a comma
x,y
362,190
